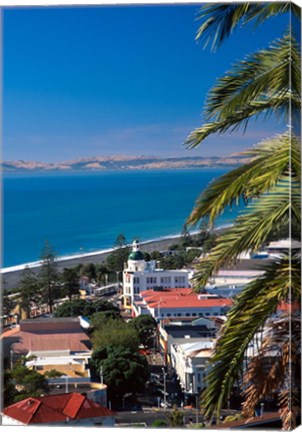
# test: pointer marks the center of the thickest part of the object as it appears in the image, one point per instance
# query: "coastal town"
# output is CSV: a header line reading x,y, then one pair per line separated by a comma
x,y
151,262
130,352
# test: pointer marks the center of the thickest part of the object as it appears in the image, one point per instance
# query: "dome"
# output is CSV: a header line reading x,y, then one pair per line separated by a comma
x,y
136,256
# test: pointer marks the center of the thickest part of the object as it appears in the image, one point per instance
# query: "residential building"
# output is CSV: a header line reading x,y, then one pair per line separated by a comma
x,y
69,409
140,275
56,342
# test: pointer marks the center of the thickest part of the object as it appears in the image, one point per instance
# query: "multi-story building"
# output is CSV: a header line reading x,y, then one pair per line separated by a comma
x,y
190,361
140,275
179,303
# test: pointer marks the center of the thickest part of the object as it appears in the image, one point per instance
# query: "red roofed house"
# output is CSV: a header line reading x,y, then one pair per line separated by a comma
x,y
181,302
56,410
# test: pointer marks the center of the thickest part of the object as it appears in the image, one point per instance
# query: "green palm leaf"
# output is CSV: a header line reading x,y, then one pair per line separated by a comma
x,y
220,20
244,320
266,82
266,72
270,160
252,228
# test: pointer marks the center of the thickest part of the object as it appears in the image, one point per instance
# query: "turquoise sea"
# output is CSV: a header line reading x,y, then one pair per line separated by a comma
x,y
84,212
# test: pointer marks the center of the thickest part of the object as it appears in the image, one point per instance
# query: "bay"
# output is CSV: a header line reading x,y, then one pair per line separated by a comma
x,y
81,212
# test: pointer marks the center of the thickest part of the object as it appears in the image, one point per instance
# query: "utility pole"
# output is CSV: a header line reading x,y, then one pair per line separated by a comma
x,y
101,375
197,409
165,387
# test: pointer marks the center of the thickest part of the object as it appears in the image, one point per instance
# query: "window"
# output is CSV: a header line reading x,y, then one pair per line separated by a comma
x,y
165,280
179,314
136,280
151,280
187,314
194,314
180,279
168,314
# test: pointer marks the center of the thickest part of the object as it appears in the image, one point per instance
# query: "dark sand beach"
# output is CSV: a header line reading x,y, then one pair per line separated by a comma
x,y
10,279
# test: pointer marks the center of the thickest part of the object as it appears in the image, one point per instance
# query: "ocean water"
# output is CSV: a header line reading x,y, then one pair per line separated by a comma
x,y
85,212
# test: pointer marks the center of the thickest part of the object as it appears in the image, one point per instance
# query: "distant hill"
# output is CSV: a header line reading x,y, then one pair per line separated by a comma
x,y
102,163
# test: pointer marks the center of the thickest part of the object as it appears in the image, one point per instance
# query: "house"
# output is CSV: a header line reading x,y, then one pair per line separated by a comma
x,y
57,343
140,275
68,409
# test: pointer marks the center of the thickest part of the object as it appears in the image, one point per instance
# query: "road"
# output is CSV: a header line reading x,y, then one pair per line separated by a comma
x,y
148,417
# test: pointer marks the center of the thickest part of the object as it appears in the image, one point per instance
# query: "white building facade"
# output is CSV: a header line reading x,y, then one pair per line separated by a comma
x,y
191,361
140,275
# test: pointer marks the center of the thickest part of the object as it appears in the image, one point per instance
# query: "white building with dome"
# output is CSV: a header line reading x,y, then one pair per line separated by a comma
x,y
140,275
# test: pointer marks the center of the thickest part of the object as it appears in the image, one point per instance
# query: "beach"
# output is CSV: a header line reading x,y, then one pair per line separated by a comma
x,y
11,275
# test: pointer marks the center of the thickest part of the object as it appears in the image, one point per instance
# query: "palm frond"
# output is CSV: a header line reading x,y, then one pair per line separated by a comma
x,y
220,20
266,72
266,82
270,160
252,228
252,307
276,366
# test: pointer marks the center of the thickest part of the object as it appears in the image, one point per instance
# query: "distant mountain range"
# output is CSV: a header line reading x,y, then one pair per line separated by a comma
x,y
102,163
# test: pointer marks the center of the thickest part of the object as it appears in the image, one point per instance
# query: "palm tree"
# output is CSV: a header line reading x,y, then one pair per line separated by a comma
x,y
264,83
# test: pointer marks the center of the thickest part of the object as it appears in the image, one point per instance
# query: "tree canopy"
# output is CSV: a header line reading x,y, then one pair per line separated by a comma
x,y
124,370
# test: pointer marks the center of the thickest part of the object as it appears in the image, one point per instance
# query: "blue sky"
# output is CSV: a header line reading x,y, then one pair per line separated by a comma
x,y
87,81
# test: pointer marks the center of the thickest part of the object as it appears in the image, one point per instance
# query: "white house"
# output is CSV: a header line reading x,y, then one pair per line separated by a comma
x,y
140,275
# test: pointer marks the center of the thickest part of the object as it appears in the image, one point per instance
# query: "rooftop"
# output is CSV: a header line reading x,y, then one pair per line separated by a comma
x,y
56,408
49,335
182,298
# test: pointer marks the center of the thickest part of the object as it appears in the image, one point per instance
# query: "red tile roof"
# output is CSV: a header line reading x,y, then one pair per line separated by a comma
x,y
56,408
181,298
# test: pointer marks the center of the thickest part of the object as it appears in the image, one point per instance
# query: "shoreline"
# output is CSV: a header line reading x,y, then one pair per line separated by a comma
x,y
10,276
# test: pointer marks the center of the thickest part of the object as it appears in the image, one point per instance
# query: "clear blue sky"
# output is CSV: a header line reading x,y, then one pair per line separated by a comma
x,y
87,81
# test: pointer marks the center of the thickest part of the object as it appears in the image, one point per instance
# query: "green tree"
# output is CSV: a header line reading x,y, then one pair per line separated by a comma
x,y
53,373
159,423
124,370
98,319
176,417
115,261
70,282
29,290
264,83
145,326
89,270
86,308
8,304
120,241
28,382
9,389
102,274
115,333
49,276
